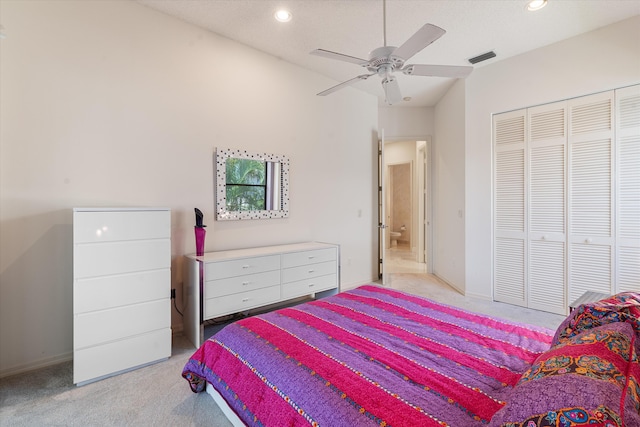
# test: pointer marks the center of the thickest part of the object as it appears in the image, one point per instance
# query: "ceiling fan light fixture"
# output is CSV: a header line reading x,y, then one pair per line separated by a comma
x,y
283,15
534,5
386,60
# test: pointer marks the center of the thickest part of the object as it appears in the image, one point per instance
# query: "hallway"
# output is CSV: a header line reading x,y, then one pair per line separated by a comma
x,y
401,259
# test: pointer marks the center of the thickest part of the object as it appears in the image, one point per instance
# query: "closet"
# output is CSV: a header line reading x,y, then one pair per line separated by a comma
x,y
566,200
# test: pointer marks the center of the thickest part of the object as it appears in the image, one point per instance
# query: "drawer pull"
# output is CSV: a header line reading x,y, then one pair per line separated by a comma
x,y
245,299
311,257
311,285
245,283
246,266
311,271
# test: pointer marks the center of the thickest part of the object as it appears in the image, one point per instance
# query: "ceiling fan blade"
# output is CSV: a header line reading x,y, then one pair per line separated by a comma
x,y
339,56
421,39
391,90
453,71
344,84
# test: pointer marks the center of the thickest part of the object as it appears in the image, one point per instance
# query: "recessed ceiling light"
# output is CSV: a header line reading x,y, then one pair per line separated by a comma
x,y
536,5
283,15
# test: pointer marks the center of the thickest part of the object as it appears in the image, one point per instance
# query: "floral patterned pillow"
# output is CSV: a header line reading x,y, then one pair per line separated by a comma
x,y
623,307
590,378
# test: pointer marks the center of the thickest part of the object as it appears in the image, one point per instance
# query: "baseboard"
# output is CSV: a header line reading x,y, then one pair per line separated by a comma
x,y
350,286
463,292
449,283
479,296
37,364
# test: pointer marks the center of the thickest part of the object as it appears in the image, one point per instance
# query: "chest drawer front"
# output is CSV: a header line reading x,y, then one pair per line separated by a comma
x,y
94,362
309,286
215,307
105,292
94,260
241,267
94,227
89,328
309,257
308,271
234,285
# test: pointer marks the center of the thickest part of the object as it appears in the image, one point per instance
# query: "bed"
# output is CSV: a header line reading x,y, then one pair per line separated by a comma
x,y
374,356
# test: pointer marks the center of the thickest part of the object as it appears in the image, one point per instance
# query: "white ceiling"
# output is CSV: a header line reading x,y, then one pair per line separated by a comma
x,y
355,27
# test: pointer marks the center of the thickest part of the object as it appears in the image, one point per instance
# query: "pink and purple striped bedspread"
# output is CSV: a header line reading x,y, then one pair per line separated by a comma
x,y
371,356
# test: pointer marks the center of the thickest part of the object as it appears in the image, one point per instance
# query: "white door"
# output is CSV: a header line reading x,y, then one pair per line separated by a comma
x,y
381,210
546,148
424,211
628,188
590,207
510,222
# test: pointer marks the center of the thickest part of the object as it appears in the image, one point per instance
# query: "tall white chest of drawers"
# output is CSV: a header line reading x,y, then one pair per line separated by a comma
x,y
121,290
227,282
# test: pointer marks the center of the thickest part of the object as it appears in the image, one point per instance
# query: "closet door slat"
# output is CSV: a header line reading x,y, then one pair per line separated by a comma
x,y
628,188
591,196
510,251
547,207
509,276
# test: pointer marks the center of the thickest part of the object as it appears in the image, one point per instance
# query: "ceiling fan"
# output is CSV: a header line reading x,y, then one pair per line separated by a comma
x,y
386,60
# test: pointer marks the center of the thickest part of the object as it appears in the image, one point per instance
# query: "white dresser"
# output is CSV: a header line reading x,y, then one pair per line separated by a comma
x,y
121,290
227,282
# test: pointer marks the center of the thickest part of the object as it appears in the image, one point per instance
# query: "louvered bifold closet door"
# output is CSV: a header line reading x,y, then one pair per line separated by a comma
x,y
547,213
590,208
628,188
510,249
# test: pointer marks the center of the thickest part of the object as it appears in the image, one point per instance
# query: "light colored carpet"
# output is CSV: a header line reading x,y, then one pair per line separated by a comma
x,y
158,396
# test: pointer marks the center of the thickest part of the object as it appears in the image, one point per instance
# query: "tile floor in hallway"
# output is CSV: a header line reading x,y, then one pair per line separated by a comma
x,y
401,259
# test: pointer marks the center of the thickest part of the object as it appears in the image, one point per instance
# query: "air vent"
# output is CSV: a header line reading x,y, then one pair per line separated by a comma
x,y
483,57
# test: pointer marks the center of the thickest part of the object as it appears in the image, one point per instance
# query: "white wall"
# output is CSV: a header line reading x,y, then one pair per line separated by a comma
x,y
114,104
406,122
449,187
600,60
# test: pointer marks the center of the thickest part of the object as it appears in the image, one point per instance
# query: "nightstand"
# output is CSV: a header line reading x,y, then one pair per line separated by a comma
x,y
586,298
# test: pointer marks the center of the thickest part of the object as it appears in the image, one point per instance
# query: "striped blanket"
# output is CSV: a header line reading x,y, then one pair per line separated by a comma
x,y
371,356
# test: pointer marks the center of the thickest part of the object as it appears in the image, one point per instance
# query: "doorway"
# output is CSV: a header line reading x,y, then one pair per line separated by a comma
x,y
407,208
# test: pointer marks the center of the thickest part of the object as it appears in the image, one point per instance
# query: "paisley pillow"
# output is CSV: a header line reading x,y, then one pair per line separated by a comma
x,y
591,378
623,307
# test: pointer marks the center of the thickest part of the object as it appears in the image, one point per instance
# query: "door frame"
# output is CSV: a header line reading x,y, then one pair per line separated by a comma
x,y
425,215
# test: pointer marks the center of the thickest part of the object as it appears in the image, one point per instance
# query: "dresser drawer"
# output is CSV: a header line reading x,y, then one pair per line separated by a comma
x,y
103,259
308,257
227,304
100,293
238,284
112,226
99,327
308,271
309,286
94,362
241,267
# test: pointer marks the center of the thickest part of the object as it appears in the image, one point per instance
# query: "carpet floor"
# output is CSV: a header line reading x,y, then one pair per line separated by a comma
x,y
157,395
